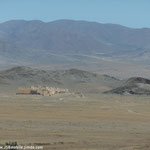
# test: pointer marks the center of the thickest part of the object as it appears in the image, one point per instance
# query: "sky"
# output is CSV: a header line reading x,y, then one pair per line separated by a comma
x,y
131,13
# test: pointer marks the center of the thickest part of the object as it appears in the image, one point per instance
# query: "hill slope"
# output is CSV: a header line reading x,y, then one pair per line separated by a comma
x,y
73,79
135,85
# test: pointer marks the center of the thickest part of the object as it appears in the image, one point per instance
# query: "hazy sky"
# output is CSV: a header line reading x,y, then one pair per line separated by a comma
x,y
132,13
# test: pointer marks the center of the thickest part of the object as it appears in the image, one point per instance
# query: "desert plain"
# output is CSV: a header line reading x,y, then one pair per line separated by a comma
x,y
66,122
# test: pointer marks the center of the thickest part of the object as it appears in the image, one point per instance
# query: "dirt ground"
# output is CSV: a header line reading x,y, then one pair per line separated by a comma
x,y
95,122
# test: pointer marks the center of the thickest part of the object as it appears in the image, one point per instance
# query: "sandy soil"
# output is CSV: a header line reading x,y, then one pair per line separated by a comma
x,y
96,122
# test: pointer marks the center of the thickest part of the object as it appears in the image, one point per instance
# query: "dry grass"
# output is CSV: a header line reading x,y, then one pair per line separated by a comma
x,y
97,122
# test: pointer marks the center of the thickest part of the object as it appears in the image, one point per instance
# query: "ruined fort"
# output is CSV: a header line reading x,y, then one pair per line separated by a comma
x,y
41,90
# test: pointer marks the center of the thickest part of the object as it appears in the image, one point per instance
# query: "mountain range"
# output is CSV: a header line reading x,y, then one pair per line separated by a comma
x,y
69,43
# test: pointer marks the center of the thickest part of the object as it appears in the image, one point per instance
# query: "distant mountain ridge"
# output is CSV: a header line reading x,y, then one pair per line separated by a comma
x,y
71,42
72,36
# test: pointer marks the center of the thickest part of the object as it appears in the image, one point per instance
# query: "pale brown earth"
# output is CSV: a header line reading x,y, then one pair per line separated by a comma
x,y
67,122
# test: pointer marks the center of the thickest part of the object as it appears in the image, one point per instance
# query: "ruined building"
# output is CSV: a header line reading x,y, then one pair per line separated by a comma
x,y
41,90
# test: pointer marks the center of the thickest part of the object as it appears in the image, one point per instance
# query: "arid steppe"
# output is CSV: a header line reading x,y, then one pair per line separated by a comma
x,y
66,122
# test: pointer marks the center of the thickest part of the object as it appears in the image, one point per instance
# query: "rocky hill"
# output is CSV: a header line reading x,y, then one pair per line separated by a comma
x,y
136,85
75,79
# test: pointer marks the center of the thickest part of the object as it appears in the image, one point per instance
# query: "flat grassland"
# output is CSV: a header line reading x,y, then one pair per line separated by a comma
x,y
95,122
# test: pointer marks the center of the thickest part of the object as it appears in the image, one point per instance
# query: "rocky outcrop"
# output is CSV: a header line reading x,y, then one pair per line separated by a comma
x,y
133,86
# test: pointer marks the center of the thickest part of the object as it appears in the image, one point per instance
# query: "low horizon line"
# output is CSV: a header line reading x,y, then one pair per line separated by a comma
x,y
76,20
